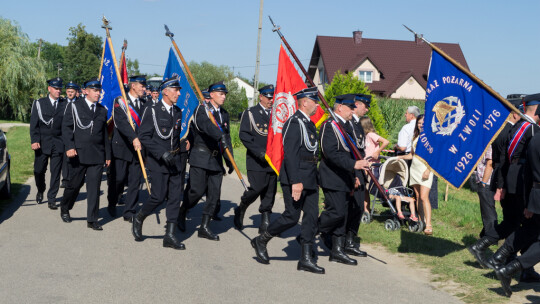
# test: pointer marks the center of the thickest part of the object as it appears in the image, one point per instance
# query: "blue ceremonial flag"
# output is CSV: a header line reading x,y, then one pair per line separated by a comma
x,y
110,88
187,101
461,121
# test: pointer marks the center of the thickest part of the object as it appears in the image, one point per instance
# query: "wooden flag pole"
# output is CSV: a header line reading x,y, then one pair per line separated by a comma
x,y
227,151
107,28
471,75
354,149
102,57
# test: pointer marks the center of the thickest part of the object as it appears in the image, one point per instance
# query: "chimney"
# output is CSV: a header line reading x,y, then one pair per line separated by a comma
x,y
357,37
418,39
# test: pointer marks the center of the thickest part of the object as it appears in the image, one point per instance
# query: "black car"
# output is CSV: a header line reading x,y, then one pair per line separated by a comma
x,y
5,159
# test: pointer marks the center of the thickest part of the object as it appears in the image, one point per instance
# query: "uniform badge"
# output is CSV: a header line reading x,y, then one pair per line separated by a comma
x,y
260,111
266,125
163,130
163,108
177,123
311,136
257,125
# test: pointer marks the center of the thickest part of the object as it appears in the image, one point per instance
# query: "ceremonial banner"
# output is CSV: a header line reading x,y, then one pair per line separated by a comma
x,y
110,89
288,82
461,120
123,70
187,101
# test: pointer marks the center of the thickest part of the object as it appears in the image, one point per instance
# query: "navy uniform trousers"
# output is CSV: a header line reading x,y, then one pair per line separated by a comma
x,y
41,161
77,174
261,184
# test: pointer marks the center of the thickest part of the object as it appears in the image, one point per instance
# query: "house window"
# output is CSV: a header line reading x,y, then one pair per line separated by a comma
x,y
366,76
322,76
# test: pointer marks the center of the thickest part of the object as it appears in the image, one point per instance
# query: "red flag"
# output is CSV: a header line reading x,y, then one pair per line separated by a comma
x,y
123,70
319,116
288,82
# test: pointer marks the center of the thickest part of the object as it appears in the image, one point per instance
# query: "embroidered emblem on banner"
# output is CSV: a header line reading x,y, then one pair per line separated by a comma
x,y
448,114
284,107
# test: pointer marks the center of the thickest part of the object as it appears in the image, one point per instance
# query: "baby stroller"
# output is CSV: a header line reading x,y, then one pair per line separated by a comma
x,y
393,175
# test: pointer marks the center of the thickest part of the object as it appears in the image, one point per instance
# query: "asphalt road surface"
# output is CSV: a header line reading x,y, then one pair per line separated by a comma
x,y
43,260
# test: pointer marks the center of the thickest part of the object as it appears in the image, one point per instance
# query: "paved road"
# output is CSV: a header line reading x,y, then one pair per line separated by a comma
x,y
8,125
44,260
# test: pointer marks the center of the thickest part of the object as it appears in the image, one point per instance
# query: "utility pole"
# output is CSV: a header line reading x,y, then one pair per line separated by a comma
x,y
258,63
39,48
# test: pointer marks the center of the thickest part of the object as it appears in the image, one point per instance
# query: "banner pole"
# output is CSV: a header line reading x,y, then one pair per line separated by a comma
x,y
340,125
107,28
471,75
227,151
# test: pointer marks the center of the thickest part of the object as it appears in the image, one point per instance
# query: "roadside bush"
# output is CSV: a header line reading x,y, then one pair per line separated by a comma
x,y
393,113
350,84
235,135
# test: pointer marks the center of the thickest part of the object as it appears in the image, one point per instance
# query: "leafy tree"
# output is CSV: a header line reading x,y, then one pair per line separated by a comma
x,y
132,67
82,55
350,84
52,54
206,74
22,75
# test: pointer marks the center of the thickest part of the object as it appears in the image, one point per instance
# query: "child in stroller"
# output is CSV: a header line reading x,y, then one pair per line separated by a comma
x,y
397,194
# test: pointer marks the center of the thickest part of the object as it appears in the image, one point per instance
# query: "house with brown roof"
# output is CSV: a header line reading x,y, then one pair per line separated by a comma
x,y
390,68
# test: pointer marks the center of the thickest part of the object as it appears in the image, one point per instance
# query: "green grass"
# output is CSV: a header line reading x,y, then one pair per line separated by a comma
x,y
456,224
22,159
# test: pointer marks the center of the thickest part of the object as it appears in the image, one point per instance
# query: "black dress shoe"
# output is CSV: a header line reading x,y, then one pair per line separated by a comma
x,y
351,247
94,226
338,254
65,217
39,197
128,219
239,213
52,205
111,210
505,273
204,230
355,251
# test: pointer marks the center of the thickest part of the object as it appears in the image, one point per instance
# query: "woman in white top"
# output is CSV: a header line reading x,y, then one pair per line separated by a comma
x,y
421,178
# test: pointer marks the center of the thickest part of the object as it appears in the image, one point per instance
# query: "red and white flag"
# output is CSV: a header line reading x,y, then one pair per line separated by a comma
x,y
288,82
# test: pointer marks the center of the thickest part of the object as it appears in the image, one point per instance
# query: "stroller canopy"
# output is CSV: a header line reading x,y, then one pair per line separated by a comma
x,y
391,168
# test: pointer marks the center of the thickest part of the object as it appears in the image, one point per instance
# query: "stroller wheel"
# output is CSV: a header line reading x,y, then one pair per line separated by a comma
x,y
421,226
389,225
366,218
397,225
413,226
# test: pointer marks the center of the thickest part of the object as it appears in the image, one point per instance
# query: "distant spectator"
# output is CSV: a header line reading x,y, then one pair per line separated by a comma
x,y
374,143
405,136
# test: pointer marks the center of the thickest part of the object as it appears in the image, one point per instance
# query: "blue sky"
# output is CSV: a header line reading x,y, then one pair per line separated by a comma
x,y
500,39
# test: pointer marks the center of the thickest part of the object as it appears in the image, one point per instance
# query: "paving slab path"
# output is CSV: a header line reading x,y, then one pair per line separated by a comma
x,y
43,260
